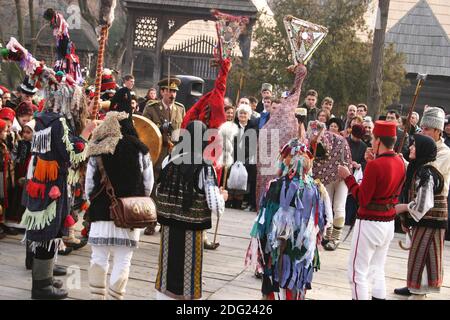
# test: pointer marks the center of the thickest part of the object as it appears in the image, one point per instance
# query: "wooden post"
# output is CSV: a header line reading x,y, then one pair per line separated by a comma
x,y
376,68
98,77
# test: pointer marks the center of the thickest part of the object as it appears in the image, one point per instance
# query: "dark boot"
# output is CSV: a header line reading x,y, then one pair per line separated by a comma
x,y
402,291
28,256
59,271
373,298
43,288
2,233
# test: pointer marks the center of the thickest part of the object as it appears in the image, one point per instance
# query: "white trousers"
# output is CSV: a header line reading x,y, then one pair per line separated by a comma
x,y
121,261
368,252
337,192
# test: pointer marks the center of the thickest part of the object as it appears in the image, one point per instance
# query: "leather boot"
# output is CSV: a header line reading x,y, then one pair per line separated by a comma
x,y
97,282
42,288
402,291
117,290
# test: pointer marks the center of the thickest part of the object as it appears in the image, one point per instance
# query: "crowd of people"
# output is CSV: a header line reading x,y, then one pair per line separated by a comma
x,y
347,169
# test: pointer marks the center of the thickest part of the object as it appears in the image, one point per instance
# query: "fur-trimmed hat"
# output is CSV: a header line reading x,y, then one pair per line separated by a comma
x,y
107,135
266,86
434,118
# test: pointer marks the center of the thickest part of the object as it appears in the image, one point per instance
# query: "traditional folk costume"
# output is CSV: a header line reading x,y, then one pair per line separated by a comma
x,y
331,151
421,276
210,110
185,200
374,228
281,127
294,213
6,179
55,148
427,215
118,145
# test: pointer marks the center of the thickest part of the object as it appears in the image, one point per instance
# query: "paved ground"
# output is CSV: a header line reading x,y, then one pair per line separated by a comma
x,y
225,276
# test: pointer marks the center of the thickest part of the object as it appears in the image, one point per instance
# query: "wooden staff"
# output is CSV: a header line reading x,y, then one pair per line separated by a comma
x,y
421,78
98,75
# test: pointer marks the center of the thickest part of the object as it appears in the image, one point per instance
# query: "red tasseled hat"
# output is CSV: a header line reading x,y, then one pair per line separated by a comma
x,y
108,82
2,125
385,129
7,114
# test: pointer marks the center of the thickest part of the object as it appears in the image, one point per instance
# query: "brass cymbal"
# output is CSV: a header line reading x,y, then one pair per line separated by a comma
x,y
150,135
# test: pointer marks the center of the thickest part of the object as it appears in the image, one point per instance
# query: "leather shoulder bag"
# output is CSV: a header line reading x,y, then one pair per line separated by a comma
x,y
128,212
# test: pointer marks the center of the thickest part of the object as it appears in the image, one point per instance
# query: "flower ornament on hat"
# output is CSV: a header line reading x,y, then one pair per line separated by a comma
x,y
385,129
7,114
358,131
434,118
244,108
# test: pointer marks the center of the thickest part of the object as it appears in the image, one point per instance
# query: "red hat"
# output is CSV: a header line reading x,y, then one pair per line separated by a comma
x,y
108,82
7,114
358,131
25,108
385,129
2,125
4,90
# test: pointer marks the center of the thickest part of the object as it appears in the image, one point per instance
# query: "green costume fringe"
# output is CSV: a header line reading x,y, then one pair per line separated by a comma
x,y
38,220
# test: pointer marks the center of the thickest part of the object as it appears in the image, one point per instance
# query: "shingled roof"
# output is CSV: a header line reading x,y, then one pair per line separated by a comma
x,y
229,5
421,37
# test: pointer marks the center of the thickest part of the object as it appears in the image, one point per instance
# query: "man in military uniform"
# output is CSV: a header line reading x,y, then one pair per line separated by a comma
x,y
168,115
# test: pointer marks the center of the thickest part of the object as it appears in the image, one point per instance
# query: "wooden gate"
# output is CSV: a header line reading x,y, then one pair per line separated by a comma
x,y
192,57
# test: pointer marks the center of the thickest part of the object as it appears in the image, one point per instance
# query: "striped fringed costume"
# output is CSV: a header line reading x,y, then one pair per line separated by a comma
x,y
428,217
181,252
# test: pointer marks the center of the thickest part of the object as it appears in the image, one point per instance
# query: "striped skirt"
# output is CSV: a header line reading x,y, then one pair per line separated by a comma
x,y
180,263
425,269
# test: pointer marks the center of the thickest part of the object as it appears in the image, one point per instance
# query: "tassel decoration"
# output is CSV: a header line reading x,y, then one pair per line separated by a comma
x,y
42,141
46,170
69,222
54,193
36,190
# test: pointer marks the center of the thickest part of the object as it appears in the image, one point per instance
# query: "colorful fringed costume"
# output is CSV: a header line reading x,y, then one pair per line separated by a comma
x,y
294,213
54,148
281,127
67,60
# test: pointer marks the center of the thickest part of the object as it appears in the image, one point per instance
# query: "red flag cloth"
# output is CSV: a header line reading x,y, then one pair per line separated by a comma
x,y
213,99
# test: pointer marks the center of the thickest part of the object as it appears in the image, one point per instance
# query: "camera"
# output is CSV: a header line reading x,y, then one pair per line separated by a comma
x,y
167,128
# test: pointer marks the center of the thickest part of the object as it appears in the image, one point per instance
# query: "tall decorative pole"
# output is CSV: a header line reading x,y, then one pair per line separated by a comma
x,y
106,19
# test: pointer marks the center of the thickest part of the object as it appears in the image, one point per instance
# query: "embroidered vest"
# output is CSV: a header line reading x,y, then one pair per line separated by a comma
x,y
436,218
